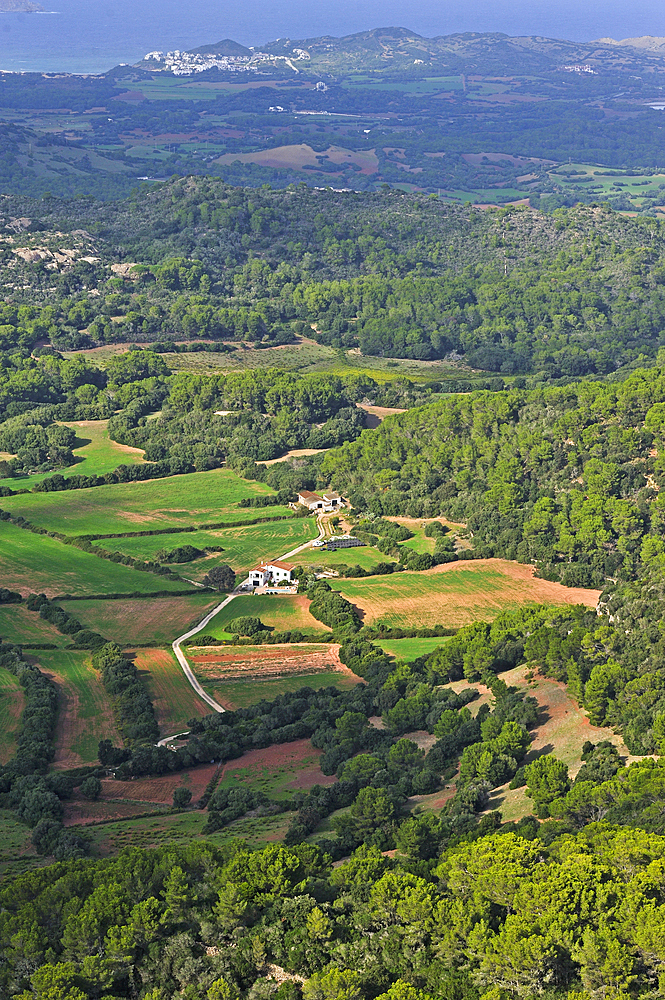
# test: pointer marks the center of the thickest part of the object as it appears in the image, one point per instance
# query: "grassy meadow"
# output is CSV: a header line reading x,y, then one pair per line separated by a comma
x,y
242,694
24,627
85,713
174,699
173,502
279,612
31,563
143,620
243,547
12,702
409,649
94,451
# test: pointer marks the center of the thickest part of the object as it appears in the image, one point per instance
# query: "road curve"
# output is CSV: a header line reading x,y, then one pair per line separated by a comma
x,y
182,659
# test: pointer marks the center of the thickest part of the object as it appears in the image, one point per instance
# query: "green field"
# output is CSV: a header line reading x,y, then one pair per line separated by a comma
x,y
604,182
174,699
455,594
16,851
365,556
145,620
409,649
85,711
33,563
24,627
94,451
312,357
179,828
289,612
12,702
177,501
243,547
242,694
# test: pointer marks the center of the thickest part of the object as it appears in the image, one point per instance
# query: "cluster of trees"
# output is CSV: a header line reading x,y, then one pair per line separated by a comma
x,y
134,709
82,638
398,275
25,784
506,914
566,477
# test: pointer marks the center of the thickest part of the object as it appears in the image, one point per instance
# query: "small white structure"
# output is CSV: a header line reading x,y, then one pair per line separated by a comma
x,y
330,500
272,572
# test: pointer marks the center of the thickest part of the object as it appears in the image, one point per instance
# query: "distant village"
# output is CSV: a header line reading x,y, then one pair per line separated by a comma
x,y
187,63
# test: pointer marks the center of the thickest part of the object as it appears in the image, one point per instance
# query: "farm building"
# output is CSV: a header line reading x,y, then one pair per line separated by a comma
x,y
342,542
320,501
272,572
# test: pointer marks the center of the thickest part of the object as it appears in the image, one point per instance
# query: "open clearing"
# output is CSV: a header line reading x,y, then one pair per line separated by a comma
x,y
85,712
142,620
244,547
176,501
277,770
174,699
562,729
12,703
24,627
180,828
409,649
279,612
33,563
302,155
456,593
123,799
94,451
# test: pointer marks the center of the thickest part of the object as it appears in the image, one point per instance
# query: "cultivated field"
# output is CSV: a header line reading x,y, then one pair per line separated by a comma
x,y
456,594
24,627
279,612
85,712
12,703
174,699
301,155
243,547
409,649
143,620
94,451
239,676
176,501
31,563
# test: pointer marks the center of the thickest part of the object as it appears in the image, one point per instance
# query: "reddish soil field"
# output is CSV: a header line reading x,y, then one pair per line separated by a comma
x,y
158,790
299,759
80,812
256,662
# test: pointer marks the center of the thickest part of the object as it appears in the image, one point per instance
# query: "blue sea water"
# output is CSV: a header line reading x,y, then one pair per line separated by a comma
x,y
90,36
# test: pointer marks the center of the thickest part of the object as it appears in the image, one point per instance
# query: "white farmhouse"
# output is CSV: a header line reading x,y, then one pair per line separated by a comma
x,y
272,572
330,500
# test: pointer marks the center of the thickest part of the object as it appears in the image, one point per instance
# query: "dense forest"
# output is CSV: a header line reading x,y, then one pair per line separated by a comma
x,y
399,276
388,901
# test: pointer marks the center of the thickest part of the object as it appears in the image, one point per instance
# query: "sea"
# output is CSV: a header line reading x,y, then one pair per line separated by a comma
x,y
92,36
